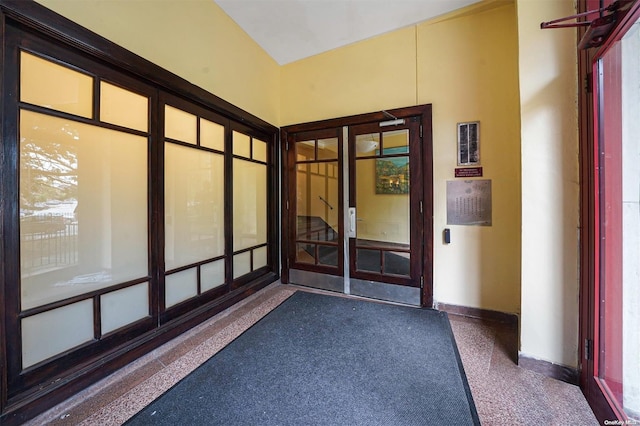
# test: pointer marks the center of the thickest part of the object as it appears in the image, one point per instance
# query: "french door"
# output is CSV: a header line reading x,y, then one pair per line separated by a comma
x,y
358,200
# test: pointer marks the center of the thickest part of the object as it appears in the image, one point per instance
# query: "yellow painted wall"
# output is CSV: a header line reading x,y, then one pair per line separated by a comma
x,y
466,67
379,73
550,187
194,39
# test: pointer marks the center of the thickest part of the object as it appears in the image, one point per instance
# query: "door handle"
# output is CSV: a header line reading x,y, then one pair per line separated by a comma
x,y
352,222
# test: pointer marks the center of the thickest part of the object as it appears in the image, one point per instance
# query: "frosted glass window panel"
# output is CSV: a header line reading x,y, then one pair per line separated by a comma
x,y
123,307
83,208
123,107
211,135
259,258
241,145
180,125
249,204
181,286
54,86
241,264
259,150
53,332
194,205
211,275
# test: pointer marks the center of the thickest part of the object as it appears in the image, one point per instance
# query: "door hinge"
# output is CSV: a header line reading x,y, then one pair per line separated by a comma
x,y
421,130
420,206
287,204
421,281
287,145
588,83
588,349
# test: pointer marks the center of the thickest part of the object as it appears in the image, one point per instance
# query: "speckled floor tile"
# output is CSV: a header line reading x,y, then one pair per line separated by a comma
x,y
503,392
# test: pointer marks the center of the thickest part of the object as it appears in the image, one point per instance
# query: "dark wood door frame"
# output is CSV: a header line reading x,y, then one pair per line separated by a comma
x,y
423,112
415,197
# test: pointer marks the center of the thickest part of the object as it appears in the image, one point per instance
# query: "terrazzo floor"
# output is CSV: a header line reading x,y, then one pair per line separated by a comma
x,y
503,392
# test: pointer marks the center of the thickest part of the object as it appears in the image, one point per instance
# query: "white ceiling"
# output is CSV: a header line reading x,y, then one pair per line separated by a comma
x,y
289,30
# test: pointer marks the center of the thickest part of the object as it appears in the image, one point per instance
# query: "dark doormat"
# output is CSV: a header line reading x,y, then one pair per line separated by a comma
x,y
327,360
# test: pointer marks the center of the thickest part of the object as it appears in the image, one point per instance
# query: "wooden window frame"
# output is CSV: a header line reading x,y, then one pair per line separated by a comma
x,y
24,394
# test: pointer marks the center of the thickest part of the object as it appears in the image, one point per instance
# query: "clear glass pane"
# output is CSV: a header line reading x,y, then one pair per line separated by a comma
x,y
306,151
181,286
249,204
259,258
619,340
241,264
328,255
50,85
180,125
328,149
123,307
53,332
211,135
83,208
123,108
241,145
395,142
367,145
382,198
306,253
631,221
194,205
368,260
317,202
396,263
211,275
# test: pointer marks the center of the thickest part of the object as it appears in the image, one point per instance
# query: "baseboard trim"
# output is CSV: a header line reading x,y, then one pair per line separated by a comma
x,y
555,371
482,314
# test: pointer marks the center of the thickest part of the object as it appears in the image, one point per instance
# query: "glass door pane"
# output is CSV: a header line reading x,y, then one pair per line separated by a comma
x,y
618,340
317,202
385,205
382,198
